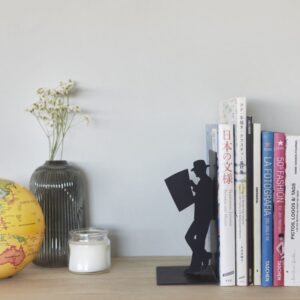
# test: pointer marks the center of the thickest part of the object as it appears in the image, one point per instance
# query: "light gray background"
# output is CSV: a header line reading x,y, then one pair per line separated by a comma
x,y
151,73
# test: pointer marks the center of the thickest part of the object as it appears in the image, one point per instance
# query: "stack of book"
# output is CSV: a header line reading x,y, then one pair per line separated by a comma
x,y
258,200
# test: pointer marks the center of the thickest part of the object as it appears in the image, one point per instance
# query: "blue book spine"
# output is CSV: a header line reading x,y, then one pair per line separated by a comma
x,y
267,209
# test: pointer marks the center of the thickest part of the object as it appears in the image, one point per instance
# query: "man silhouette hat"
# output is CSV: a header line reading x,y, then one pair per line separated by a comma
x,y
197,232
200,165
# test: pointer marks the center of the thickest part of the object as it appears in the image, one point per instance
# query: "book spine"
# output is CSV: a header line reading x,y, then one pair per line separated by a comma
x,y
257,202
226,205
233,111
279,195
241,193
267,208
211,138
211,156
292,203
250,197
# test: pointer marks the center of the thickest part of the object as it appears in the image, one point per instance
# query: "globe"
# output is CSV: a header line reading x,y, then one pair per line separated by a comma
x,y
22,228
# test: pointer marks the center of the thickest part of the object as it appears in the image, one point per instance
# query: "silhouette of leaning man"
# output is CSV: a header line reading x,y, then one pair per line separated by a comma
x,y
196,235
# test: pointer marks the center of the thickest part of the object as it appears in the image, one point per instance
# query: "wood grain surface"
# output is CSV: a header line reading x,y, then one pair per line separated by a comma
x,y
129,278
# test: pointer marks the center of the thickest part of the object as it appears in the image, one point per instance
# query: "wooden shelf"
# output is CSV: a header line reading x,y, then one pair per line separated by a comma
x,y
129,278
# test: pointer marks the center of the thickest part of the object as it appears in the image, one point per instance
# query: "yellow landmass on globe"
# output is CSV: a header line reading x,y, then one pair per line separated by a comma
x,y
21,228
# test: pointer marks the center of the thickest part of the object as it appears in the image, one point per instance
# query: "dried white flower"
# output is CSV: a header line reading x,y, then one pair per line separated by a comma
x,y
56,115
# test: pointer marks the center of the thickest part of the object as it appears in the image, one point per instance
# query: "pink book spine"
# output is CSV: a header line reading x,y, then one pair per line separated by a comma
x,y
279,196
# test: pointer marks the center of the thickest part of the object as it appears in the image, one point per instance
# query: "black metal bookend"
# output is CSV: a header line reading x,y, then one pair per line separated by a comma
x,y
185,192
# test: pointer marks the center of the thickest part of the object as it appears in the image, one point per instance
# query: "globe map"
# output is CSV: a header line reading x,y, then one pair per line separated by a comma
x,y
21,228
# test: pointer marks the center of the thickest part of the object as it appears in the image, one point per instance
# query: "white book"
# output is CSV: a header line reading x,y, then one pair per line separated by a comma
x,y
233,111
292,210
212,243
211,138
226,204
257,202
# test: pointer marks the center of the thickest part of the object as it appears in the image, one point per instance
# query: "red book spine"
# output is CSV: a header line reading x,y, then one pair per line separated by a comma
x,y
279,196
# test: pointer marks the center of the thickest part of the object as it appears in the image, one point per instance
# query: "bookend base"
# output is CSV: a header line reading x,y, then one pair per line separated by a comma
x,y
177,276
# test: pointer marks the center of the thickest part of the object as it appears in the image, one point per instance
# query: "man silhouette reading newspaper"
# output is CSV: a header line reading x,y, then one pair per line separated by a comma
x,y
184,193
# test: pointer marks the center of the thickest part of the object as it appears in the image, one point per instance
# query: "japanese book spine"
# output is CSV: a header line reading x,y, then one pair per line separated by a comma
x,y
279,196
226,205
257,202
250,197
233,111
267,208
292,206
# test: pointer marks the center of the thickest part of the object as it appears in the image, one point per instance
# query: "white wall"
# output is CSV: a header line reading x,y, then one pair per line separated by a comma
x,y
151,72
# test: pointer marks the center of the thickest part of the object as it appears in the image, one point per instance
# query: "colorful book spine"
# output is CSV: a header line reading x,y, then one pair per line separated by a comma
x,y
292,213
279,196
257,202
226,205
267,208
233,111
250,197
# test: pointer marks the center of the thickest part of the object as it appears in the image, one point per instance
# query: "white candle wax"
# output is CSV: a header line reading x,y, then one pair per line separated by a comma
x,y
89,257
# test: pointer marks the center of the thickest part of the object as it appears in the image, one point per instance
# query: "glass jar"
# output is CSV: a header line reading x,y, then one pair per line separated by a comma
x,y
89,250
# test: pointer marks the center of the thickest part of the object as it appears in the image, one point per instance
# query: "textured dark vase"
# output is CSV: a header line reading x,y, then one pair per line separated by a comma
x,y
59,188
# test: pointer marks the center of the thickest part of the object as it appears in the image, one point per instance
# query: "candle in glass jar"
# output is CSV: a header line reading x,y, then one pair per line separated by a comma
x,y
89,251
